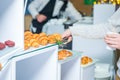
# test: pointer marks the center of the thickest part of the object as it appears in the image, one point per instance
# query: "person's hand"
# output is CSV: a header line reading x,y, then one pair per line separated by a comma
x,y
113,40
40,18
67,34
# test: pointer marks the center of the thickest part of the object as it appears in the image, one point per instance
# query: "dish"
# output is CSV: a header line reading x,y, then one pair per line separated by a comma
x,y
63,54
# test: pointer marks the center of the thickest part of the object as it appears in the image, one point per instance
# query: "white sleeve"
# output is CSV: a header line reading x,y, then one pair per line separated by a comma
x,y
33,8
72,12
115,18
98,30
91,31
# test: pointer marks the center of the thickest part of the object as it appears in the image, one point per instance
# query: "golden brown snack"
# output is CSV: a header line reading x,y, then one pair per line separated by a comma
x,y
32,40
63,54
85,60
36,36
43,40
26,44
51,39
58,37
27,33
35,44
90,59
42,34
28,37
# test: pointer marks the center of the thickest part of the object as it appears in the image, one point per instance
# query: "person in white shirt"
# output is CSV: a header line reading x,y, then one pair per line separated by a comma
x,y
100,31
44,10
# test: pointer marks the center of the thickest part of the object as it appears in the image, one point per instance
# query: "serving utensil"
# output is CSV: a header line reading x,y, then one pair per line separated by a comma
x,y
64,42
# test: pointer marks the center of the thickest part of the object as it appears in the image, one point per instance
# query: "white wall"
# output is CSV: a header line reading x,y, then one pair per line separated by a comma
x,y
12,21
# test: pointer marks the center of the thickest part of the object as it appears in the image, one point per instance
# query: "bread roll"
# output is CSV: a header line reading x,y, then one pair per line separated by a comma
x,y
2,46
26,33
43,40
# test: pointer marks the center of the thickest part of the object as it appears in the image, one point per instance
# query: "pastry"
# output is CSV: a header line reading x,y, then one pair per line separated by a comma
x,y
43,40
27,33
32,40
28,37
2,46
26,44
85,60
51,39
35,44
42,34
63,54
68,53
10,43
36,36
58,37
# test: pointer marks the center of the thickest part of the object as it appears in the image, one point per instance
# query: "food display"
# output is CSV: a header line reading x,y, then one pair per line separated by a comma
x,y
63,54
86,60
41,39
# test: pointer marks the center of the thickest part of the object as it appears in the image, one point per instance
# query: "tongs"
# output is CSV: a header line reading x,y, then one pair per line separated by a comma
x,y
64,42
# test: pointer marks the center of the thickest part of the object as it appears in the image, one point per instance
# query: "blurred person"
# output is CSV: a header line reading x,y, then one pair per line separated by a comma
x,y
99,31
96,31
113,40
42,11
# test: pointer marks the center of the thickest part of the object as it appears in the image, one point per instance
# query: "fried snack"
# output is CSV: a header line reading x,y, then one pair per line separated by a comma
x,y
26,44
58,37
43,40
10,43
68,53
28,37
63,54
36,36
26,33
0,66
32,40
2,46
42,34
90,60
35,44
51,39
85,60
